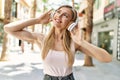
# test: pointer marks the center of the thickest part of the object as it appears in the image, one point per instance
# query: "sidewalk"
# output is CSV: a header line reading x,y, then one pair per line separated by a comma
x,y
28,66
101,71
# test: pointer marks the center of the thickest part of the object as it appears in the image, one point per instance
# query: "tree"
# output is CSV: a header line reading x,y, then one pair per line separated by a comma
x,y
7,11
88,28
33,13
73,3
45,2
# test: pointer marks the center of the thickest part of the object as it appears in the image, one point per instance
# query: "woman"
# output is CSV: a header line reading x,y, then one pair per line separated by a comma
x,y
60,45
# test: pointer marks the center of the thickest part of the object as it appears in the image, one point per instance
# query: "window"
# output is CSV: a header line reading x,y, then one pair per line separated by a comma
x,y
106,40
1,32
97,4
14,9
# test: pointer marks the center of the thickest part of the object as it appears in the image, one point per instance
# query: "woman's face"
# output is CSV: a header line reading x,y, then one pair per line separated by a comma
x,y
62,17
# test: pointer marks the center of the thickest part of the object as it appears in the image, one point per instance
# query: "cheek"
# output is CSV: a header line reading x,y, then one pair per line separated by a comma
x,y
66,22
65,25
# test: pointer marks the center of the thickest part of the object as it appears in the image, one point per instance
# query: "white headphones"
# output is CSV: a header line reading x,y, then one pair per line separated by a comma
x,y
71,26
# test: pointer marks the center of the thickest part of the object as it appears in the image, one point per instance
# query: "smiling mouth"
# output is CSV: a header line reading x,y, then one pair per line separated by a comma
x,y
58,21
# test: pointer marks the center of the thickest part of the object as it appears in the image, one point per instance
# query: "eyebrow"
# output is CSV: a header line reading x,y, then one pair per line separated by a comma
x,y
64,13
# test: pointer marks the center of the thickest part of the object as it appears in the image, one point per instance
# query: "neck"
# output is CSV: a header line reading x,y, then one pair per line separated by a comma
x,y
58,34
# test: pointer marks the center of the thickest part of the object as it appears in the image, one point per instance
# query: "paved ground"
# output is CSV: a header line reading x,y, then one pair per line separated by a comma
x,y
29,66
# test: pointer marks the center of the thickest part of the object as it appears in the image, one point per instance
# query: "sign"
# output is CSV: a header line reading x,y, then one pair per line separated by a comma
x,y
109,8
109,11
118,3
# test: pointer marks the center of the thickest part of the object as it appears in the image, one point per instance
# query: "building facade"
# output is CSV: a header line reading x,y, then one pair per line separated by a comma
x,y
106,31
20,10
1,20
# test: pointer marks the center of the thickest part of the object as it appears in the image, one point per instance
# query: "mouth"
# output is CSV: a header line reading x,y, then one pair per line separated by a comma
x,y
58,20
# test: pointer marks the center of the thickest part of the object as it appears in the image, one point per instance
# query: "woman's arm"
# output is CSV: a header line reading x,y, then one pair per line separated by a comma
x,y
88,48
17,28
94,51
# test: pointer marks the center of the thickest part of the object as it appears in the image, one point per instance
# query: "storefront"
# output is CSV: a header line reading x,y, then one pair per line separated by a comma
x,y
118,39
105,33
105,40
118,29
105,36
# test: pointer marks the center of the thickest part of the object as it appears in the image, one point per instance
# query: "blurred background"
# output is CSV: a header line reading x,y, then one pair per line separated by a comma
x,y
106,23
104,17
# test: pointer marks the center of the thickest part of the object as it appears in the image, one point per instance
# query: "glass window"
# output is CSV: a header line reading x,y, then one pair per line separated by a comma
x,y
1,32
97,4
110,1
107,2
106,40
14,9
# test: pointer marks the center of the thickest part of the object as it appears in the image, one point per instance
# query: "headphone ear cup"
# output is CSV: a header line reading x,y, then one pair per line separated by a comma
x,y
71,26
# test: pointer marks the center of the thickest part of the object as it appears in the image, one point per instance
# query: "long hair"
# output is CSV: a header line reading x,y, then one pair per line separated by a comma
x,y
49,40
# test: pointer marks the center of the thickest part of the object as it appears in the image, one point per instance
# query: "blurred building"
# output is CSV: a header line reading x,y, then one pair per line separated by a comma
x,y
1,20
106,31
2,9
20,10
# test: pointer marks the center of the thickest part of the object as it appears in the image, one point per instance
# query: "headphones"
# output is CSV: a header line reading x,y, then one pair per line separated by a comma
x,y
71,26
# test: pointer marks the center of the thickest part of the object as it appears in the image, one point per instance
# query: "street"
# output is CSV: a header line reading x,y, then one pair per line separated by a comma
x,y
28,66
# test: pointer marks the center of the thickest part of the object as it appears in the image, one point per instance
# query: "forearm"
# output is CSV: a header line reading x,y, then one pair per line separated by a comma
x,y
95,52
19,25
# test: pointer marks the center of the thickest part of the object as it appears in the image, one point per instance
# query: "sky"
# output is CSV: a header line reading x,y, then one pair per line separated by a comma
x,y
56,3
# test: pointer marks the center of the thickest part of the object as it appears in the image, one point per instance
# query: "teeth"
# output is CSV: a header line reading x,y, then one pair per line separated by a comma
x,y
58,21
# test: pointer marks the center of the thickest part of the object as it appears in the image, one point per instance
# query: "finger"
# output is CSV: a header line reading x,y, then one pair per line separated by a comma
x,y
50,20
49,12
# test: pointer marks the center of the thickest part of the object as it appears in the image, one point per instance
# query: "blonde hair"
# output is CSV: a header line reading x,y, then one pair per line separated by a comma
x,y
49,41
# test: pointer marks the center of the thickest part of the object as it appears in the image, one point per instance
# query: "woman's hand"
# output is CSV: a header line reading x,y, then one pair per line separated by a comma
x,y
44,18
77,35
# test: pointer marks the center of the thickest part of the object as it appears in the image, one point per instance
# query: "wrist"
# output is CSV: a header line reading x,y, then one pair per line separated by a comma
x,y
37,21
81,43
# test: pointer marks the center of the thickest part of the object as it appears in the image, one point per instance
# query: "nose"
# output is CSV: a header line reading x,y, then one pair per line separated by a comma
x,y
59,15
